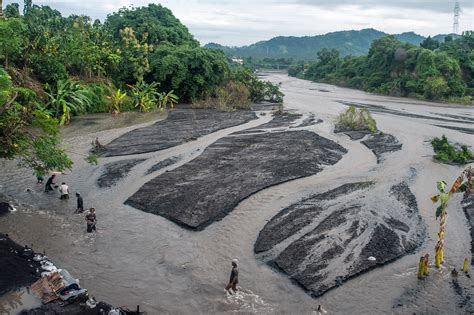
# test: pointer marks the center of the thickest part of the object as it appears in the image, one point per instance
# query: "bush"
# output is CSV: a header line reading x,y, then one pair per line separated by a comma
x,y
259,90
229,97
446,152
355,119
98,93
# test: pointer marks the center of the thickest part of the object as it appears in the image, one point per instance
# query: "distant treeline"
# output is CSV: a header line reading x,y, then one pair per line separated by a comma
x,y
433,70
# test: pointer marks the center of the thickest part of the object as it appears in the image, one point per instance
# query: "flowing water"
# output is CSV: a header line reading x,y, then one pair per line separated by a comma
x,y
140,258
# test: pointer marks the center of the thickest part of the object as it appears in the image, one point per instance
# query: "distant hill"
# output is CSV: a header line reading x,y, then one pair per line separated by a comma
x,y
306,47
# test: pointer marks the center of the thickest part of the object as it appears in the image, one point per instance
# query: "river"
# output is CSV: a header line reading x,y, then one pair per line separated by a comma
x,y
137,258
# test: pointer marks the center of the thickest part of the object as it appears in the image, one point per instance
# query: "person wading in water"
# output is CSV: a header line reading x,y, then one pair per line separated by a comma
x,y
80,203
64,190
49,183
234,277
91,220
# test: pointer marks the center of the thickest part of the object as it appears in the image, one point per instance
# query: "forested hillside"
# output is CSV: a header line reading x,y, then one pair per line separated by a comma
x,y
55,67
306,47
431,71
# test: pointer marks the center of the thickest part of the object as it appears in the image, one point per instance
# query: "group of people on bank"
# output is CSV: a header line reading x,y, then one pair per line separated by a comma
x,y
50,185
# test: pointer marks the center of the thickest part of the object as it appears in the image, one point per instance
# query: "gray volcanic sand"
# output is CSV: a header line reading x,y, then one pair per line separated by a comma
x,y
162,164
326,239
181,125
309,121
233,168
377,142
114,171
380,144
281,120
469,131
384,110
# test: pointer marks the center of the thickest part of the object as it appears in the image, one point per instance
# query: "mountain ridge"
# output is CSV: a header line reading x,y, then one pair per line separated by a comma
x,y
349,42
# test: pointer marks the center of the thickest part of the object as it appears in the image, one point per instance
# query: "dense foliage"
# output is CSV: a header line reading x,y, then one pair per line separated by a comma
x,y
401,69
305,48
27,132
446,152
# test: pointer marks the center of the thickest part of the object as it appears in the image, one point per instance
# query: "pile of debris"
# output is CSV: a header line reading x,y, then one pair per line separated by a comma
x,y
58,291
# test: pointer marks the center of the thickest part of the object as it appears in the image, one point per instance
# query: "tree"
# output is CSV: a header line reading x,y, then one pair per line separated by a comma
x,y
154,23
134,64
27,7
12,10
191,72
11,39
429,43
27,132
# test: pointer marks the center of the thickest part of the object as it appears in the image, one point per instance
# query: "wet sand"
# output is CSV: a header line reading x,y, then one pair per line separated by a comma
x,y
141,258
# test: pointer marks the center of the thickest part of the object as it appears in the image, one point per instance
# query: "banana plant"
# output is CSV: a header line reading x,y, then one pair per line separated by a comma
x,y
66,98
145,95
167,99
116,100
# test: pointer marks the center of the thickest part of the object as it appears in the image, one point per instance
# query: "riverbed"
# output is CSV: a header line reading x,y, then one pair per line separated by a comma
x,y
141,258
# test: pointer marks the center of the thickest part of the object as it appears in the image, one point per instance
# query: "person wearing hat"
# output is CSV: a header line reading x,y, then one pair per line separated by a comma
x,y
234,277
80,203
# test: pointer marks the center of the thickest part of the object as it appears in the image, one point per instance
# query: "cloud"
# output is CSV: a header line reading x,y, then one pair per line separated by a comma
x,y
247,21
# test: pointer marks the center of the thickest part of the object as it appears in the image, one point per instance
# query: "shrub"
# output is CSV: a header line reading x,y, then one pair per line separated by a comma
x,y
231,96
447,152
355,119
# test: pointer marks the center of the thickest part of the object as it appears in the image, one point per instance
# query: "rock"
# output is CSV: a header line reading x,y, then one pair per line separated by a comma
x,y
207,188
5,205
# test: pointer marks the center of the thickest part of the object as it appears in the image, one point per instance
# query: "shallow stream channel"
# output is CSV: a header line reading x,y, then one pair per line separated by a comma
x,y
305,210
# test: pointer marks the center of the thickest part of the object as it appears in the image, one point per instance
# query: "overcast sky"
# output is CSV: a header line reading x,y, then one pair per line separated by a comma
x,y
244,22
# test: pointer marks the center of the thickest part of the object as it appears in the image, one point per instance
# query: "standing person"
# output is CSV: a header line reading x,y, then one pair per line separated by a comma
x,y
64,190
49,183
234,277
91,220
80,203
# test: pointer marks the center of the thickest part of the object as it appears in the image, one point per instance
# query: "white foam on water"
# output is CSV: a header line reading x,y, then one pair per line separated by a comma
x,y
245,301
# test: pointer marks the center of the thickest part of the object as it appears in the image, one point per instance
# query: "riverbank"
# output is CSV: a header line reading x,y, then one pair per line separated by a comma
x,y
21,268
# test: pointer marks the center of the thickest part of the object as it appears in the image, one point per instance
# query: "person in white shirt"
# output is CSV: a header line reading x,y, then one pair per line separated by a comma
x,y
64,190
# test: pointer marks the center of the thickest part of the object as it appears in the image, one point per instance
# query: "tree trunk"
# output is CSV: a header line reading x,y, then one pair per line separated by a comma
x,y
1,9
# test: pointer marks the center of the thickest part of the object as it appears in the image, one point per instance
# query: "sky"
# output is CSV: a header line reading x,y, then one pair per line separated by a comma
x,y
243,22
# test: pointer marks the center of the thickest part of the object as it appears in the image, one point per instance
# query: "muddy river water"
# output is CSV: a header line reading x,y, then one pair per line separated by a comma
x,y
141,258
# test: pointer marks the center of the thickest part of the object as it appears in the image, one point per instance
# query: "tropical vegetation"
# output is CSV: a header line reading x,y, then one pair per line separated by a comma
x,y
443,71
